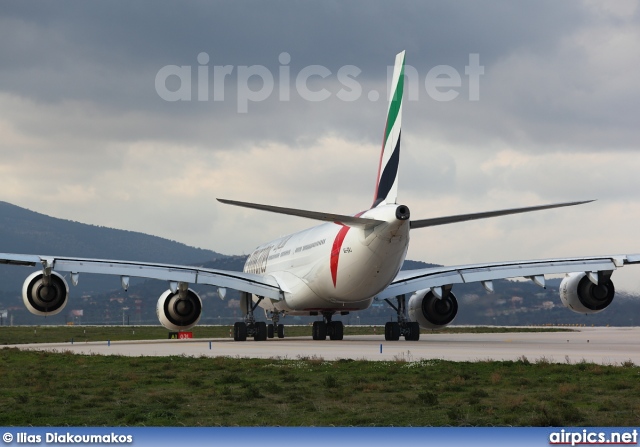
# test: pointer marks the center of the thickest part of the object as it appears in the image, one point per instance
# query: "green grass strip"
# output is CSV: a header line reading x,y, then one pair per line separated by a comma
x,y
59,389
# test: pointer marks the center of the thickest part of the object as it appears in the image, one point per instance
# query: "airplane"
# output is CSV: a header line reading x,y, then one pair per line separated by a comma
x,y
334,268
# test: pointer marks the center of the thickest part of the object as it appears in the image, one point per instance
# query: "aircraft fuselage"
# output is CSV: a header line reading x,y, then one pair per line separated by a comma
x,y
334,267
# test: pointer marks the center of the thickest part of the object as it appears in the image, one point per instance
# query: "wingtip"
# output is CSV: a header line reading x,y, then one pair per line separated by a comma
x,y
574,203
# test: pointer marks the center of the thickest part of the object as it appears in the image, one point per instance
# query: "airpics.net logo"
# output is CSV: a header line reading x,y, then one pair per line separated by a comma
x,y
256,83
591,437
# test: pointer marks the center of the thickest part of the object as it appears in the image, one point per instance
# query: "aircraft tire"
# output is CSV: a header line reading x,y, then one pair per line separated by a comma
x,y
261,331
392,331
240,331
319,330
280,331
337,330
414,331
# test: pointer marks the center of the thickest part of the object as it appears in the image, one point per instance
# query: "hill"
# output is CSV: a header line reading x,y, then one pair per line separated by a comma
x,y
25,231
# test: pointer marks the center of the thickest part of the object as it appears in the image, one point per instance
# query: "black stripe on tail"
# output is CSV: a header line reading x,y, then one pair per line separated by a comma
x,y
389,175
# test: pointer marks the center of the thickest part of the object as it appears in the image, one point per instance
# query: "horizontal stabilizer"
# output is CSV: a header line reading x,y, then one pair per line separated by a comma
x,y
349,221
465,217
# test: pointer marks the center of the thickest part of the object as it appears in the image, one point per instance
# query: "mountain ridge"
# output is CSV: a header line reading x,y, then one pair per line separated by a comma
x,y
26,231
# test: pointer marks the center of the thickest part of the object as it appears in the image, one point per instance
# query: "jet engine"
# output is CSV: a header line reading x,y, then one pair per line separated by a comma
x,y
180,310
45,295
430,311
581,295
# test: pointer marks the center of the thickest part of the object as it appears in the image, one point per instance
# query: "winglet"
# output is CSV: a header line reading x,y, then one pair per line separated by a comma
x,y
387,180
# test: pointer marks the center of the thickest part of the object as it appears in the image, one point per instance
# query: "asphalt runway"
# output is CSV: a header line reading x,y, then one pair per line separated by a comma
x,y
597,345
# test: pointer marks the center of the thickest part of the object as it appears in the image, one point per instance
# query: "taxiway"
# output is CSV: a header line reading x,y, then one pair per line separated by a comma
x,y
596,345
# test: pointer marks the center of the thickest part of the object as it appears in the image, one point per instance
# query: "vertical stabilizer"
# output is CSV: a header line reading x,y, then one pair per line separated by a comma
x,y
387,181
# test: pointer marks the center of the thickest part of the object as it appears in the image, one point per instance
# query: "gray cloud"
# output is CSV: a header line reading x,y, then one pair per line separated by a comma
x,y
108,54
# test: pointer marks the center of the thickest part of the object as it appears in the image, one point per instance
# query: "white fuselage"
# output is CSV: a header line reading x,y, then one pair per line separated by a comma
x,y
332,267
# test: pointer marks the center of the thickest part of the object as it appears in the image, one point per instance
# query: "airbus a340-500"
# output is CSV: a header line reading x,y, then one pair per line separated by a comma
x,y
337,267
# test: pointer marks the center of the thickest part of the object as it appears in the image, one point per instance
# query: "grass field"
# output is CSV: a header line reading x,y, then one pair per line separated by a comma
x,y
57,389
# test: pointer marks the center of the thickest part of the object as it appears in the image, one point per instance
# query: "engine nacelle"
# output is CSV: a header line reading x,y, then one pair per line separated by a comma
x,y
44,296
579,294
431,312
179,314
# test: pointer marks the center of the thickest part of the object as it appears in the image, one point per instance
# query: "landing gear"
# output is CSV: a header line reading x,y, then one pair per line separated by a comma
x,y
249,327
334,329
275,328
393,330
259,330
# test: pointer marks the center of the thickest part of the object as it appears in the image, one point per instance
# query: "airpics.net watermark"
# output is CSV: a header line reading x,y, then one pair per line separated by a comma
x,y
256,83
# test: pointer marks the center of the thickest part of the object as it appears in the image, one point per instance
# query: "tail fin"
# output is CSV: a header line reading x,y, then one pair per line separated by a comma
x,y
387,181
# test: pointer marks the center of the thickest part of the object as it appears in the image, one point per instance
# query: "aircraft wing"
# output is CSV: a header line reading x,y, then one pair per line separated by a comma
x,y
257,284
409,281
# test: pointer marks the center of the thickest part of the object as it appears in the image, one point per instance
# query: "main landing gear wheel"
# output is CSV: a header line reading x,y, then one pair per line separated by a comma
x,y
334,329
261,331
319,330
393,330
413,333
239,331
280,331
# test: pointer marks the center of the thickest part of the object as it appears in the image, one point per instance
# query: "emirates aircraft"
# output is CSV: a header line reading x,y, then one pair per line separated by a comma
x,y
336,267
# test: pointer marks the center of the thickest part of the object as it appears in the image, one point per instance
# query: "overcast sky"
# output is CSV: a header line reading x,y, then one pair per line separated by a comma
x,y
87,132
